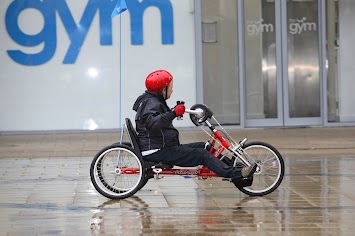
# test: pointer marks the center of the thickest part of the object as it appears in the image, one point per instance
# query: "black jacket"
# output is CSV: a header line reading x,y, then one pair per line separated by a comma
x,y
154,122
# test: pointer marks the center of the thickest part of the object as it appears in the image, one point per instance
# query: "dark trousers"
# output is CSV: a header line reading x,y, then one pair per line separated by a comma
x,y
194,154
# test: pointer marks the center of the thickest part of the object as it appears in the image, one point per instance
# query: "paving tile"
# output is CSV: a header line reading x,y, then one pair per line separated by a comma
x,y
45,189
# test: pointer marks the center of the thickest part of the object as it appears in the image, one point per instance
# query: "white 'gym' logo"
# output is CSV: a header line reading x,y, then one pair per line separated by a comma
x,y
296,26
258,27
299,26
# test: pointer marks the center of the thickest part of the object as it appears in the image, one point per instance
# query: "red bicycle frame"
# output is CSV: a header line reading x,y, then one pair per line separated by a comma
x,y
203,171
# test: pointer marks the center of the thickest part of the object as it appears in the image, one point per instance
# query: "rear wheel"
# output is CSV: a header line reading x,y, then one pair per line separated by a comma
x,y
270,170
117,171
145,180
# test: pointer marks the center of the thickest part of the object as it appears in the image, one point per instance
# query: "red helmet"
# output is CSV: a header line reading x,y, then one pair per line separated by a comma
x,y
157,80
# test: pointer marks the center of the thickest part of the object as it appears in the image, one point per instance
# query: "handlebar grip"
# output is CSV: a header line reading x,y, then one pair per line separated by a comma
x,y
178,103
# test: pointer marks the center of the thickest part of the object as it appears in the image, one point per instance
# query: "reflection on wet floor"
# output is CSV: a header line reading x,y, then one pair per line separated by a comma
x,y
55,196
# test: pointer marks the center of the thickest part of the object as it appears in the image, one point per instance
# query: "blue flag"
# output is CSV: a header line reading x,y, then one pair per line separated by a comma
x,y
119,8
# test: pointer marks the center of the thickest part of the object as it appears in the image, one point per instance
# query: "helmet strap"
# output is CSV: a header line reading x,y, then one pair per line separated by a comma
x,y
166,92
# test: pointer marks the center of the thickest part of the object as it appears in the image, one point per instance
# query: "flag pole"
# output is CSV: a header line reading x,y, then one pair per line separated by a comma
x,y
120,7
120,110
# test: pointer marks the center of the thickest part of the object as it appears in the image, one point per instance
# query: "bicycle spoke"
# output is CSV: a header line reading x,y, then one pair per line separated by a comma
x,y
109,174
270,168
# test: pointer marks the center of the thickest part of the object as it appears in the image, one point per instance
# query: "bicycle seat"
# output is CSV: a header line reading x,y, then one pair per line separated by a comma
x,y
135,143
133,135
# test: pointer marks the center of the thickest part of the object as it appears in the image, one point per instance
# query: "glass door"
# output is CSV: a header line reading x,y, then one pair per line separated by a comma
x,y
301,64
262,49
282,76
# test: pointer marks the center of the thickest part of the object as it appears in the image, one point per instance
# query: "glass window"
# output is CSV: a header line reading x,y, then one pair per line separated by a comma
x,y
220,59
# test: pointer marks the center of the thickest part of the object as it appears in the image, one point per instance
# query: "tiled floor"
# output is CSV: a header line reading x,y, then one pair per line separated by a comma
x,y
45,189
55,196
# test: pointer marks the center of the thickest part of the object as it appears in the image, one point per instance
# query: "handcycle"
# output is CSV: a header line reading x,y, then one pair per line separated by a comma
x,y
118,171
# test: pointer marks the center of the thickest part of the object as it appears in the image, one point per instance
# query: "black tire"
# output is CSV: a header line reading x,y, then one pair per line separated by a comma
x,y
123,143
144,182
107,175
270,170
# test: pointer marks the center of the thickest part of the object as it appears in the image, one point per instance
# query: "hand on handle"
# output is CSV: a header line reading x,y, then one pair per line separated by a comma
x,y
179,109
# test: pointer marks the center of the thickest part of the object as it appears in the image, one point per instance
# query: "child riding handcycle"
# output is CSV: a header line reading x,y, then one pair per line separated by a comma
x,y
120,170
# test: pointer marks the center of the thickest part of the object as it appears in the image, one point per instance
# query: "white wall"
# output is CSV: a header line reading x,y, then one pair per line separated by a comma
x,y
57,96
346,60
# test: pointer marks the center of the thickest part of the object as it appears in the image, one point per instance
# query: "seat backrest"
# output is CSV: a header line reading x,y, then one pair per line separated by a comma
x,y
133,135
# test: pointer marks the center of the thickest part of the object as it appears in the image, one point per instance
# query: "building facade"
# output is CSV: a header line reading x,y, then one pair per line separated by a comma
x,y
67,65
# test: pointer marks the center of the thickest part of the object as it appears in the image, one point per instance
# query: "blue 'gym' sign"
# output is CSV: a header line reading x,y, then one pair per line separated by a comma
x,y
77,32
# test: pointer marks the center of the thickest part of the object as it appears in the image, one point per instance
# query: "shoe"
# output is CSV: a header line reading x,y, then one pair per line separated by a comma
x,y
240,182
248,172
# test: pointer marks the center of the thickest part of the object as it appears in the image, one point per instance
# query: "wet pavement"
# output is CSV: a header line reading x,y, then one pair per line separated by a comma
x,y
45,189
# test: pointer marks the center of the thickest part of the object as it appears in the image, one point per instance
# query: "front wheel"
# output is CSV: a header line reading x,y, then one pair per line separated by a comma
x,y
270,170
117,171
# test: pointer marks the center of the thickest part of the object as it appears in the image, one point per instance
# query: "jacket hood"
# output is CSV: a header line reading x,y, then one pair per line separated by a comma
x,y
146,95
